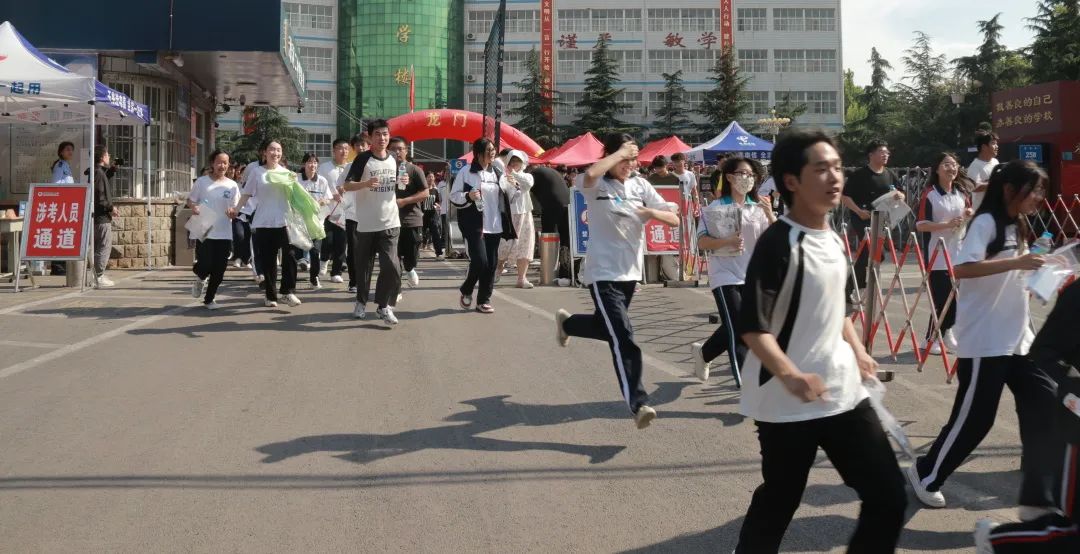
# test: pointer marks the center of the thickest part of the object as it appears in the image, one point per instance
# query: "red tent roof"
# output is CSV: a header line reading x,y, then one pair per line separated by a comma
x,y
578,151
663,147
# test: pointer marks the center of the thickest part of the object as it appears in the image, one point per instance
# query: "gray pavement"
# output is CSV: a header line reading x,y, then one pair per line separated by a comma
x,y
132,420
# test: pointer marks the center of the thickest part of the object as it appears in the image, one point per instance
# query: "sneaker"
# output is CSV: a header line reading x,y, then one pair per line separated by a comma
x,y
237,263
950,341
562,282
197,287
440,258
316,283
930,499
485,309
701,367
387,315
1031,513
983,527
561,338
291,300
644,416
398,299
104,282
524,285
337,279
302,265
359,311
934,348
211,305
352,290
270,304
465,302
325,269
412,278
259,279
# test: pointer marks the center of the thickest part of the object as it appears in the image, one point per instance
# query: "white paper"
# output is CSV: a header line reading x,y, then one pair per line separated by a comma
x,y
723,222
895,209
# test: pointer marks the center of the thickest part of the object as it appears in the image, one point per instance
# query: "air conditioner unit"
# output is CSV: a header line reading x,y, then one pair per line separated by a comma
x,y
470,36
470,78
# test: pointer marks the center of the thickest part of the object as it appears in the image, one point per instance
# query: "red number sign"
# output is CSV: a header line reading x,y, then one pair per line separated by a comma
x,y
54,225
659,238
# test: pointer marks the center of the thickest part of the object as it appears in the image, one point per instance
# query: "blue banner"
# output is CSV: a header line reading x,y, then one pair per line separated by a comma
x,y
579,224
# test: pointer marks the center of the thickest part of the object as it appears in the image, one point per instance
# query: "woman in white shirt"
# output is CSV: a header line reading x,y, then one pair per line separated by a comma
x,y
217,195
61,168
943,211
319,188
619,202
728,258
994,334
519,183
268,224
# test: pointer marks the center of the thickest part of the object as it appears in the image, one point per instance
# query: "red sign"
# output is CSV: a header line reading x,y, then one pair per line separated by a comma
x,y
547,51
249,120
659,238
54,226
727,39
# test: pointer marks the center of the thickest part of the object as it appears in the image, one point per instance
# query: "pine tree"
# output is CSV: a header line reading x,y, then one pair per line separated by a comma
x,y
788,108
537,101
671,117
269,124
991,68
600,101
439,101
1055,53
725,102
877,96
927,122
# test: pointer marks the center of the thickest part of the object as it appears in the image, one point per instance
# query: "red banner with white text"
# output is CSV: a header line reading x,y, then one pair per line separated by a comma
x,y
54,226
727,38
547,51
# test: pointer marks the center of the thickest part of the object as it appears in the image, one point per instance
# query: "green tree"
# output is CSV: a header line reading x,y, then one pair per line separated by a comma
x,y
926,120
537,101
671,117
1055,53
788,108
600,102
855,113
869,110
877,97
726,101
269,124
991,68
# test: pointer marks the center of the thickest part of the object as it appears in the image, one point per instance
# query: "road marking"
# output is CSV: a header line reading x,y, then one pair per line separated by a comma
x,y
28,344
20,307
96,339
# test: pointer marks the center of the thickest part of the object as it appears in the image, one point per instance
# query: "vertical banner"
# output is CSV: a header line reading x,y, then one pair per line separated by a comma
x,y
727,39
249,120
547,60
54,225
659,238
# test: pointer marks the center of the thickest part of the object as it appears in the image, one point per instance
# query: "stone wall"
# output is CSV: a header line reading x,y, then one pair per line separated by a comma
x,y
129,248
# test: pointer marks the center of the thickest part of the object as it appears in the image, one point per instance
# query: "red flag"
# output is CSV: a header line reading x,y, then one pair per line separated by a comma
x,y
412,89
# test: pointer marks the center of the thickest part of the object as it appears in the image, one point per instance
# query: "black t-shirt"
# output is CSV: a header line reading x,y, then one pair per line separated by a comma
x,y
550,189
413,214
670,179
864,186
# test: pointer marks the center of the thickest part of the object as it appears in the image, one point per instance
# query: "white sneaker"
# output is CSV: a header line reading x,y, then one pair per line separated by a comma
x,y
196,287
359,311
398,299
929,499
270,304
337,279
325,269
412,278
524,285
259,279
291,300
352,290
934,348
103,282
440,258
950,341
237,263
983,527
644,416
701,367
316,283
562,282
387,315
560,333
212,305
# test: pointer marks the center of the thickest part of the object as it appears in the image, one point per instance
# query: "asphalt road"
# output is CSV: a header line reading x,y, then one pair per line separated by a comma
x,y
132,420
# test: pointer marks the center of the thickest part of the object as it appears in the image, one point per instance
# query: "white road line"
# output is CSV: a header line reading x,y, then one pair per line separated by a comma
x,y
27,344
96,339
20,307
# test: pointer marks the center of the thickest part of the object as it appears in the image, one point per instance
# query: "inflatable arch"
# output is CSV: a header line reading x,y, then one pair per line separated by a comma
x,y
457,125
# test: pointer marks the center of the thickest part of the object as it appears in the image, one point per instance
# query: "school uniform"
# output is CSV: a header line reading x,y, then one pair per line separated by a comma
x,y
482,230
377,228
271,237
335,245
319,190
939,206
212,252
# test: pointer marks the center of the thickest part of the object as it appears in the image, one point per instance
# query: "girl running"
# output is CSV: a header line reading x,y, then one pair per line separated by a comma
x,y
219,194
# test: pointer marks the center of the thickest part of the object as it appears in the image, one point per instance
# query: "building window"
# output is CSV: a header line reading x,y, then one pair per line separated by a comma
x,y
689,61
523,21
684,19
629,61
753,60
320,102
569,107
751,19
817,102
318,143
757,102
805,61
572,64
514,62
309,16
574,21
821,61
691,101
804,19
314,58
616,20
634,104
480,22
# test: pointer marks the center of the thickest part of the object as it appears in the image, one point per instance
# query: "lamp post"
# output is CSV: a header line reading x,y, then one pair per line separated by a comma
x,y
773,124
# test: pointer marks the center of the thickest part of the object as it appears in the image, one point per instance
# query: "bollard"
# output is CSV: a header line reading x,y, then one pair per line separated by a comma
x,y
74,272
549,258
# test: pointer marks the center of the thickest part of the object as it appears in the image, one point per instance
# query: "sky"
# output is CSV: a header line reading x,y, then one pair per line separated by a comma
x,y
889,25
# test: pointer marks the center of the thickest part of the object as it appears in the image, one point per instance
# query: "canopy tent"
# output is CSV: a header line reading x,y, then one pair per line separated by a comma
x,y
578,151
663,147
35,90
732,139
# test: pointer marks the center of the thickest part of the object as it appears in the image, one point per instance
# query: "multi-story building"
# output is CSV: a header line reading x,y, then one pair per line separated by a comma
x,y
788,49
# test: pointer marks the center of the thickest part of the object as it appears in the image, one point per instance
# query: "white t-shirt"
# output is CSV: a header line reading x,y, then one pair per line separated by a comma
x,y
979,171
374,209
318,188
731,270
272,202
795,291
488,183
992,317
688,182
218,196
333,173
616,250
939,206
520,199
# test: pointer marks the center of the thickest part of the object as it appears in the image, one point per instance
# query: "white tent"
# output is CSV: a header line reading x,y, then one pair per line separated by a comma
x,y
35,90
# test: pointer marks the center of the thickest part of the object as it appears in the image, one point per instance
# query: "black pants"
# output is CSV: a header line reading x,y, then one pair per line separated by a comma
x,y
365,246
270,241
1052,533
940,287
241,242
725,338
211,257
859,450
433,231
350,250
256,253
334,247
611,322
858,230
973,414
409,247
483,258
315,262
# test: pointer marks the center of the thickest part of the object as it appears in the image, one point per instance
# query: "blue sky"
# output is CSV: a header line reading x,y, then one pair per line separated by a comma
x,y
889,25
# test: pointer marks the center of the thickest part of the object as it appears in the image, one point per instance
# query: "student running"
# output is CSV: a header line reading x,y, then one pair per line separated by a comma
x,y
218,195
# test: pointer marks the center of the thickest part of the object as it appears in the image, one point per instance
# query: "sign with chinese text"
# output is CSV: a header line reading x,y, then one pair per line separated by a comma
x,y
547,54
579,224
1033,152
659,238
727,39
1027,111
54,225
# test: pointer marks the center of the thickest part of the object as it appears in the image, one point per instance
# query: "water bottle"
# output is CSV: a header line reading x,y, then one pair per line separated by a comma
x,y
1044,244
479,202
400,174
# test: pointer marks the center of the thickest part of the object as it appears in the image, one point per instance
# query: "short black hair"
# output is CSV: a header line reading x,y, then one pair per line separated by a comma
x,y
789,156
984,138
398,139
678,157
874,145
504,152
614,141
376,124
659,161
99,152
338,141
218,152
359,138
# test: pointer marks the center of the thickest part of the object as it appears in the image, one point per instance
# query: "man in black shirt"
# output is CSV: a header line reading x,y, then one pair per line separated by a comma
x,y
551,192
864,185
409,199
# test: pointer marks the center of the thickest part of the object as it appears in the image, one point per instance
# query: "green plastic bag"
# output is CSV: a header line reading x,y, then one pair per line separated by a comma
x,y
299,200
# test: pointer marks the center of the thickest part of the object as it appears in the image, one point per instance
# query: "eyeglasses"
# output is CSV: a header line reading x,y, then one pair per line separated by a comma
x,y
949,165
742,174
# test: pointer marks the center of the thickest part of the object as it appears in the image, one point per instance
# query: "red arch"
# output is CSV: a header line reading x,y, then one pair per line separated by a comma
x,y
457,125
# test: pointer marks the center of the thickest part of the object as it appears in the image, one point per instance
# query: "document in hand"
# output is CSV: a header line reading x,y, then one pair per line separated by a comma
x,y
895,209
723,222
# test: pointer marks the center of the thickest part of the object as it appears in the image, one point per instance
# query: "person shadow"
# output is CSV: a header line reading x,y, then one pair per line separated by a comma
x,y
488,414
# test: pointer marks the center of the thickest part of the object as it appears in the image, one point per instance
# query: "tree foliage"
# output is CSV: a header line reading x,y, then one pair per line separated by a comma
x,y
725,102
1055,53
671,117
600,101
537,100
269,124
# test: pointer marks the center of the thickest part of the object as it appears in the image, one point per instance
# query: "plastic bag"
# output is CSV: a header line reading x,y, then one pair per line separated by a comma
x,y
298,231
1048,279
877,392
199,226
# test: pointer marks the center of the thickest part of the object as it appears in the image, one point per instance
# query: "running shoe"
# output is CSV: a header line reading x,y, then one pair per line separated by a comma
x,y
196,287
950,341
485,309
359,311
701,367
412,278
103,282
560,333
524,285
270,304
465,302
644,416
211,305
983,527
931,499
352,290
337,279
316,283
440,258
292,300
387,315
